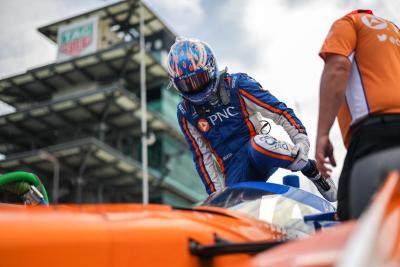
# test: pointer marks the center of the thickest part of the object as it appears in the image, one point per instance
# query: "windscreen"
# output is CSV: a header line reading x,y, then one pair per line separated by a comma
x,y
277,209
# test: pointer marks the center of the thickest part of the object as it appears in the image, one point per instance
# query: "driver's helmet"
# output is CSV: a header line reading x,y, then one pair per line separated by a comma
x,y
193,69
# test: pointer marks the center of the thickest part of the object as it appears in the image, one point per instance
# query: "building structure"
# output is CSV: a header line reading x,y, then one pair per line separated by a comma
x,y
82,113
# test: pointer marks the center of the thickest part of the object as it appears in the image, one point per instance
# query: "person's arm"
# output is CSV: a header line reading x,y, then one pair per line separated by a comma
x,y
332,94
340,43
259,100
202,155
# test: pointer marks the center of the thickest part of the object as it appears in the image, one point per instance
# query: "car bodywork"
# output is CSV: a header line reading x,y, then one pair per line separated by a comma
x,y
211,234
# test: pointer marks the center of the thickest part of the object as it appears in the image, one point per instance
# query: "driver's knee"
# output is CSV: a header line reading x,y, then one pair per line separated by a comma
x,y
267,150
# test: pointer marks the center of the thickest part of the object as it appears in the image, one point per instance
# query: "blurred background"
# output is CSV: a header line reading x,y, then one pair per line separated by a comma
x,y
275,41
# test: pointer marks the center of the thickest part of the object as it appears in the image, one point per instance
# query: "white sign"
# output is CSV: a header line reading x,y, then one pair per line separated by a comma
x,y
77,39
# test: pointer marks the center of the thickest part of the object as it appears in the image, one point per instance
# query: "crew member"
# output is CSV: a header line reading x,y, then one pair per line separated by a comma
x,y
360,85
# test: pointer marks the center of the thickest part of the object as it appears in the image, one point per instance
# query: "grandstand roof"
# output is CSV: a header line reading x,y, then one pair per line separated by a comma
x,y
122,15
80,114
121,61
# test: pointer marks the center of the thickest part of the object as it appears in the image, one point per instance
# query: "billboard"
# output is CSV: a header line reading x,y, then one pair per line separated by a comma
x,y
77,39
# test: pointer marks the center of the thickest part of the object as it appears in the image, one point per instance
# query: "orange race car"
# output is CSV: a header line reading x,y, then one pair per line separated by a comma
x,y
230,227
249,224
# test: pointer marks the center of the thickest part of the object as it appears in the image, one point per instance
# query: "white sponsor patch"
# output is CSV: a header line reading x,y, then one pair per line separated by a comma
x,y
374,22
271,144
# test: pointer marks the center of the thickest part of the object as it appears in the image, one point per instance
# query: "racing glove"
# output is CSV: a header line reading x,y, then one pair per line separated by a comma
x,y
300,151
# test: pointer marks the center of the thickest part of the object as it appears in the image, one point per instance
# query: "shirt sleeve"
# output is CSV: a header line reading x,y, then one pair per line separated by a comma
x,y
202,155
260,100
341,39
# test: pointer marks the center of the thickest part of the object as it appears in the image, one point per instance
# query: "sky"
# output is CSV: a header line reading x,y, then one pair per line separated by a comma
x,y
274,41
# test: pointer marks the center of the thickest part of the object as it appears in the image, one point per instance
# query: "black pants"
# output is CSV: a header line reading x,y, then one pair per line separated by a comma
x,y
373,135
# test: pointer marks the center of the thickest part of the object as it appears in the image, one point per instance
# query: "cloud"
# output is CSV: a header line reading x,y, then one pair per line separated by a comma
x,y
22,46
183,14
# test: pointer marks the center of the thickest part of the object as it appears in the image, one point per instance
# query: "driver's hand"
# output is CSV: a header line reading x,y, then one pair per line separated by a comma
x,y
300,151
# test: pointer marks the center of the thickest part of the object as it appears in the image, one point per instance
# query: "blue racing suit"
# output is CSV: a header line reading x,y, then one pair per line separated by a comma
x,y
225,139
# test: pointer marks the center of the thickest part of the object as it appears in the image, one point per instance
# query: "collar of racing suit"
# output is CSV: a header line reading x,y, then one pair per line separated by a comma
x,y
222,95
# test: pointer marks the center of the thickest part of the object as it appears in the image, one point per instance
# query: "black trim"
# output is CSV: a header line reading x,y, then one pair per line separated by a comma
x,y
206,251
204,211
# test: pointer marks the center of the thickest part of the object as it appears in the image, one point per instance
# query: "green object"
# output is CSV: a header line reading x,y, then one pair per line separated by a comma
x,y
18,188
18,182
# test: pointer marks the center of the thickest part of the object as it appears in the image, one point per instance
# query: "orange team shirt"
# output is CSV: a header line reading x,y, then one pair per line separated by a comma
x,y
372,44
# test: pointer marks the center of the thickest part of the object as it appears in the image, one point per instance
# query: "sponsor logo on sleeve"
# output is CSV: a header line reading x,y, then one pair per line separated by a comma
x,y
233,83
181,108
227,156
203,125
194,114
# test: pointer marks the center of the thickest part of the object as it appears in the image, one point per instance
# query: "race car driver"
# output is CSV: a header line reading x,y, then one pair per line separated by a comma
x,y
221,116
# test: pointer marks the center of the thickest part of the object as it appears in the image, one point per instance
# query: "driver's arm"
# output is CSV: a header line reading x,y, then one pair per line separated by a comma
x,y
260,100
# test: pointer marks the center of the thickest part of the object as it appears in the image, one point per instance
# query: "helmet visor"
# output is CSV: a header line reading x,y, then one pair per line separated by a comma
x,y
194,83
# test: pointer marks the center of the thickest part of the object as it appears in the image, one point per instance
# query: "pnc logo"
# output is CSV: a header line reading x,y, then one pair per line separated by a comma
x,y
203,125
220,116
